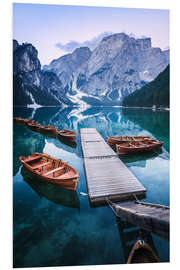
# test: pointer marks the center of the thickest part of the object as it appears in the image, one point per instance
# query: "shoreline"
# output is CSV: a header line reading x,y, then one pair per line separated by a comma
x,y
115,106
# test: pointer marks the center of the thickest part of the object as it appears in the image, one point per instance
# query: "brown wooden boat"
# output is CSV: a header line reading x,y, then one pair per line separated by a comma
x,y
23,120
48,129
20,120
52,170
67,134
137,147
33,125
29,121
142,253
124,139
149,216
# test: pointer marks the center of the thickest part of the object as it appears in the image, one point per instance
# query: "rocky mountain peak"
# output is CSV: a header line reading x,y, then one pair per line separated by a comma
x,y
31,85
115,37
144,43
81,55
15,45
122,38
25,58
67,65
120,65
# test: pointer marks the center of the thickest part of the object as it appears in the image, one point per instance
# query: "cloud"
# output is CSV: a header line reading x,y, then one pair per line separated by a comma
x,y
92,44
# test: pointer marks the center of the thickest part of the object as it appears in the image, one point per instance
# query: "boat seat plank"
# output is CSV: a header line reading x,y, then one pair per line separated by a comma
x,y
67,175
41,165
31,159
52,171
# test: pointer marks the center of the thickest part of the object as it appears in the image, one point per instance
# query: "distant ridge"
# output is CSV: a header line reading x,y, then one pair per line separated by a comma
x,y
154,93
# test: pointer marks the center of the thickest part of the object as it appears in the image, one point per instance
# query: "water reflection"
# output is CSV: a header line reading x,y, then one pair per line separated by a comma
x,y
140,160
52,192
129,234
85,235
156,122
25,143
108,121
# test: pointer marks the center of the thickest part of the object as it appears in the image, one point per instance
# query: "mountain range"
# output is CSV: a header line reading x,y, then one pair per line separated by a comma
x,y
117,67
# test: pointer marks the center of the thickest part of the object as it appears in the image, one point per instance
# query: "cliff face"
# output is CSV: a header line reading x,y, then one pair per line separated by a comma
x,y
120,65
31,86
66,66
117,67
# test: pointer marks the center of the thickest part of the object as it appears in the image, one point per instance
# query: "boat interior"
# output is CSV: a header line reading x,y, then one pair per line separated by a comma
x,y
128,138
138,144
67,132
49,167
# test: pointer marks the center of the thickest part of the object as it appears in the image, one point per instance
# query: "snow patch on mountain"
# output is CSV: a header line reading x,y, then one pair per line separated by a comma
x,y
34,105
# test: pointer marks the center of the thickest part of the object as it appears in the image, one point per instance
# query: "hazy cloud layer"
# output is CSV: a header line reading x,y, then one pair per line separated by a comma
x,y
92,44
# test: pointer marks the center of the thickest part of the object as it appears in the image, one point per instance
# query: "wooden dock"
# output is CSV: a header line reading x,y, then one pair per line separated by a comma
x,y
106,174
151,217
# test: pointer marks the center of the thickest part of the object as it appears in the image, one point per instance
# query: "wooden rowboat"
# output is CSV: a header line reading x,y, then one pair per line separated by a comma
x,y
67,134
33,125
24,120
18,120
52,170
149,216
21,120
137,147
48,129
123,139
29,121
142,253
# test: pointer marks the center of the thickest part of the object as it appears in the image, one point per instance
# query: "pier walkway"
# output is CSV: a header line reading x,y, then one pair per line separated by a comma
x,y
151,217
106,174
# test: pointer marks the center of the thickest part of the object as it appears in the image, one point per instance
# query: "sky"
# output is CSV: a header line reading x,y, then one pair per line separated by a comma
x,y
51,28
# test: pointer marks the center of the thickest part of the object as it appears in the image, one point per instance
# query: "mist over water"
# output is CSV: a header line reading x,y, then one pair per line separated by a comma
x,y
56,227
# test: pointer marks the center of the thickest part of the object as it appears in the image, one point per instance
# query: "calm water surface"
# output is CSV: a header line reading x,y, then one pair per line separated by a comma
x,y
56,227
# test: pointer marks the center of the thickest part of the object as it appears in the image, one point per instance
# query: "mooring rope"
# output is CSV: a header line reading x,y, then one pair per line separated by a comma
x,y
110,205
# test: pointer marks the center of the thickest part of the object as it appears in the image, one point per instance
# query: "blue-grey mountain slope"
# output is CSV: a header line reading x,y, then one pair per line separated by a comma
x,y
31,86
118,66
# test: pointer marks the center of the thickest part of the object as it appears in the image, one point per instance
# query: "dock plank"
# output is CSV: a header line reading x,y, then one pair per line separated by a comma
x,y
106,175
89,137
96,149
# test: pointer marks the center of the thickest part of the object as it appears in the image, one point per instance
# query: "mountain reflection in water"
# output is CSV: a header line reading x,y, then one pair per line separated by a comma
x,y
54,227
52,192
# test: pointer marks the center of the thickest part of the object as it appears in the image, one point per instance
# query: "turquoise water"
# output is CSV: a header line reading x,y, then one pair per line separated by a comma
x,y
56,227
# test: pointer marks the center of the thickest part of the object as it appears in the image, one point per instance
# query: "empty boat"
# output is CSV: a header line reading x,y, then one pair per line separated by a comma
x,y
50,169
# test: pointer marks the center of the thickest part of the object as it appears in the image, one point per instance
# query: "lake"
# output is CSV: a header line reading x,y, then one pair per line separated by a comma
x,y
56,227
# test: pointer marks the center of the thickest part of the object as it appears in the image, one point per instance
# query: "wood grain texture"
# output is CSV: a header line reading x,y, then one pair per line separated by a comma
x,y
152,218
106,175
